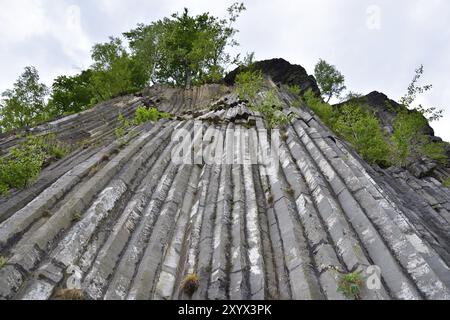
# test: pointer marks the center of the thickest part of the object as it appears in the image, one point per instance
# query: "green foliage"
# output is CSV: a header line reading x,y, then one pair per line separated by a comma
x,y
350,285
446,183
294,89
355,125
352,95
20,167
77,217
321,109
362,129
410,144
247,61
71,94
121,129
3,261
24,105
4,189
436,151
330,80
115,73
248,83
49,145
180,50
152,114
271,109
146,51
184,49
190,284
430,113
408,139
23,164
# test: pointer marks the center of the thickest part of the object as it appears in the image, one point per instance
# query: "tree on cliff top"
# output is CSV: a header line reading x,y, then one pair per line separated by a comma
x,y
24,105
329,79
183,50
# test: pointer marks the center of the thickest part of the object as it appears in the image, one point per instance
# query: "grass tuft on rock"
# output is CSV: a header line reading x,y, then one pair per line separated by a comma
x,y
350,285
190,284
69,294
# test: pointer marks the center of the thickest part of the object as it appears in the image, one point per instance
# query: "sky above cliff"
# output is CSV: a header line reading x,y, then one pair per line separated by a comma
x,y
375,44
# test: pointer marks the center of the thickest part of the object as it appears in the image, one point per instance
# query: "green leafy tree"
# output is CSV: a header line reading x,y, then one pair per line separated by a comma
x,y
71,94
431,113
23,164
25,104
409,143
362,129
329,79
144,42
115,72
183,50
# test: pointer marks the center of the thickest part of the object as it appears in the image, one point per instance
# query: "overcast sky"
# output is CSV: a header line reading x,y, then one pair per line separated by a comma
x,y
375,44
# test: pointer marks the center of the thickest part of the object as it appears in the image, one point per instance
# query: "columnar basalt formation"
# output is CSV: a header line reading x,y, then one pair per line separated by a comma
x,y
123,221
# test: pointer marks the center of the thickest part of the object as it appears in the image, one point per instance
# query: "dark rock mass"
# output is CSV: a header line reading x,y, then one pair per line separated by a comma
x,y
281,72
385,109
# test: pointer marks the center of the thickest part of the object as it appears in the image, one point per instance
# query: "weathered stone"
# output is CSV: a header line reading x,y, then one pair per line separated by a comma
x,y
129,223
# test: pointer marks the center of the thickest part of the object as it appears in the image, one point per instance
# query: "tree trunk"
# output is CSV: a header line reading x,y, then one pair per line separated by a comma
x,y
188,78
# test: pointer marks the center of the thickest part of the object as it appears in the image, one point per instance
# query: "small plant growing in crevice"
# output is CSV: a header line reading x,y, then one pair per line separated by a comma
x,y
248,83
270,199
69,294
271,109
144,115
50,146
93,171
446,183
289,191
3,261
121,129
190,284
46,214
208,269
76,217
350,284
294,89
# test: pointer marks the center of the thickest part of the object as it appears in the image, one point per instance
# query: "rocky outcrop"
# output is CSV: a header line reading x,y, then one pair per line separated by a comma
x,y
124,221
281,72
386,111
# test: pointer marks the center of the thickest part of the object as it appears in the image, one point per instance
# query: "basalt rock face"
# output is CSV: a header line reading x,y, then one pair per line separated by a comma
x,y
125,221
386,111
281,72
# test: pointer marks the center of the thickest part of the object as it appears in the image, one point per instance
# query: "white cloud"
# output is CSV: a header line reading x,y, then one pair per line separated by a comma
x,y
77,39
21,19
46,33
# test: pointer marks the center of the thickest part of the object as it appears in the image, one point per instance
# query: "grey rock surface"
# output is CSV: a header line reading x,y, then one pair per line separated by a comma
x,y
248,230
